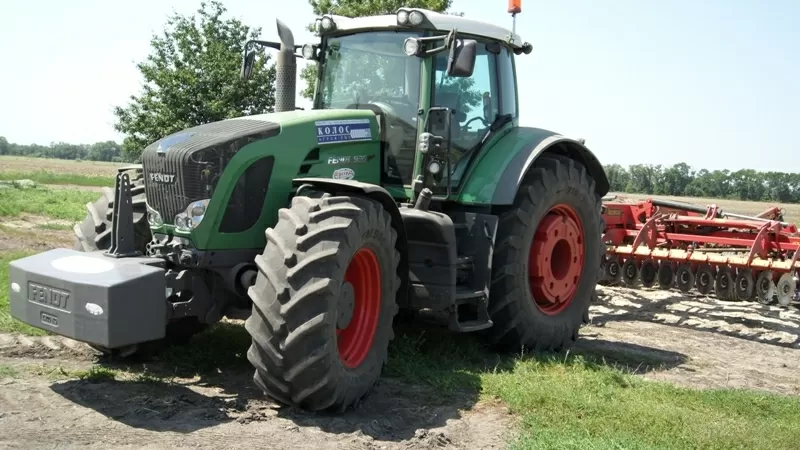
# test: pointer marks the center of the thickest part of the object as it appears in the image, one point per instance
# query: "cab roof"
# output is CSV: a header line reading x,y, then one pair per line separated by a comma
x,y
433,21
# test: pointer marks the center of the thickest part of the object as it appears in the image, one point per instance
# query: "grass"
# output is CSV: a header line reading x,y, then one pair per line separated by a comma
x,y
63,204
564,401
7,371
8,323
47,177
578,401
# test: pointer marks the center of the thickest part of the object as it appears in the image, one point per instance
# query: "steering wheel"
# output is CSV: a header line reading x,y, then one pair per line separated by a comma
x,y
465,127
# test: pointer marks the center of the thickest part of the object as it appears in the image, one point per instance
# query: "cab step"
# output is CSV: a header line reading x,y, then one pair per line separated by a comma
x,y
474,304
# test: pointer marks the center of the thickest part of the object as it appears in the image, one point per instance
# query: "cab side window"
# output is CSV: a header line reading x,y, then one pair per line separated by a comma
x,y
474,99
508,94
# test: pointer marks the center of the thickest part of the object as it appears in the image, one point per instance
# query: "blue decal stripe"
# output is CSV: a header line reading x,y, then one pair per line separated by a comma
x,y
329,131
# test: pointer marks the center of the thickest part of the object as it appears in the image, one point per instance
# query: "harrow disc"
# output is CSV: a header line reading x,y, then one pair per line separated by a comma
x,y
613,271
704,279
745,285
785,289
665,275
630,272
723,285
684,277
765,288
648,273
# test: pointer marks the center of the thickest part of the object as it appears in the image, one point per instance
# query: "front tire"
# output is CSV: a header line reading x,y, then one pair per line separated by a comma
x,y
548,257
324,302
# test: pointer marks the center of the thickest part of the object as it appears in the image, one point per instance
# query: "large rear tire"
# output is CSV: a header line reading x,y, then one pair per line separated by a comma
x,y
324,302
547,261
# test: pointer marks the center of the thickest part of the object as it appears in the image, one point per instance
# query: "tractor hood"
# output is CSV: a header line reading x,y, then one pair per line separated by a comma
x,y
206,166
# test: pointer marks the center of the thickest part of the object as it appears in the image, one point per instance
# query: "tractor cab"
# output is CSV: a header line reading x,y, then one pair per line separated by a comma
x,y
427,76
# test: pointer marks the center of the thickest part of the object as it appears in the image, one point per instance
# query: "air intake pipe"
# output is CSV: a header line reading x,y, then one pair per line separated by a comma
x,y
285,66
285,71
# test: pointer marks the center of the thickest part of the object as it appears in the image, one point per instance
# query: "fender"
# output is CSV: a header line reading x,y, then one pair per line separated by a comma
x,y
497,176
383,197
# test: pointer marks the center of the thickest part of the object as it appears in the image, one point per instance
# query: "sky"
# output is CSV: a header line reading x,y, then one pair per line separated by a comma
x,y
713,83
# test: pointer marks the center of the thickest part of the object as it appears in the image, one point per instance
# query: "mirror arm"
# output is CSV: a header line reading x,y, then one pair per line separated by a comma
x,y
250,49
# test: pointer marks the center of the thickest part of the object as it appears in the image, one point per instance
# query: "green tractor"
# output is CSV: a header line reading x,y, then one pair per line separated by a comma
x,y
409,186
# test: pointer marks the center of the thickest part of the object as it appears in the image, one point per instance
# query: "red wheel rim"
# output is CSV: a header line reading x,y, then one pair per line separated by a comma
x,y
556,259
355,340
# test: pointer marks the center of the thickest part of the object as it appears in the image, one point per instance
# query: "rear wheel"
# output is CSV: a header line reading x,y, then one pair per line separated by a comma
x,y
547,261
324,302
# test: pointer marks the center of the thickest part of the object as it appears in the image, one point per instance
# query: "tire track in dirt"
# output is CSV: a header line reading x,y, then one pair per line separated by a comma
x,y
698,341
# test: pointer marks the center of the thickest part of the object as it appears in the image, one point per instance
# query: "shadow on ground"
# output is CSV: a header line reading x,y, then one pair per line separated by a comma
x,y
432,376
745,320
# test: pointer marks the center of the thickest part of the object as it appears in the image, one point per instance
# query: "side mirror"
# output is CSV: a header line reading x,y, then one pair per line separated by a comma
x,y
247,63
462,58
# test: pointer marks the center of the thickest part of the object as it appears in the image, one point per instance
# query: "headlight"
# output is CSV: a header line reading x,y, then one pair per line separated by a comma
x,y
309,52
327,24
402,17
411,46
416,18
191,218
154,217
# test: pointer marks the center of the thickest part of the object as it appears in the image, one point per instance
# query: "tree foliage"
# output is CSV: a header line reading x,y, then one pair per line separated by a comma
x,y
191,77
679,179
359,8
99,151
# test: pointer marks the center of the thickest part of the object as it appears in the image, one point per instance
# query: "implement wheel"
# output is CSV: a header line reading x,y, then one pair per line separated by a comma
x,y
704,279
724,284
324,302
648,273
547,260
630,272
765,287
666,276
613,270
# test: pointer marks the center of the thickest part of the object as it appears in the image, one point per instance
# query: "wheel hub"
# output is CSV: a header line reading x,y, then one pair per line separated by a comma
x,y
556,259
362,288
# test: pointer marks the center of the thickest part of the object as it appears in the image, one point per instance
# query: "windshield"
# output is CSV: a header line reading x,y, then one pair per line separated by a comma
x,y
371,67
368,70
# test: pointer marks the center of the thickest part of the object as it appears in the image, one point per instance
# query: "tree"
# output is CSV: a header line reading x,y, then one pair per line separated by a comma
x,y
359,8
191,77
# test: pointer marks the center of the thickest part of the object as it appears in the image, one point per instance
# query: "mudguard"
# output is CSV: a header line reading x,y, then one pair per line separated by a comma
x,y
380,195
497,175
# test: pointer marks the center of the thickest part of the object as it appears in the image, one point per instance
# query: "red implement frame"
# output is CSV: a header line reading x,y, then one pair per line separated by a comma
x,y
669,233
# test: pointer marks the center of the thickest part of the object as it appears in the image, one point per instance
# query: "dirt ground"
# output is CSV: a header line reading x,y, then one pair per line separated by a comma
x,y
60,166
687,340
683,339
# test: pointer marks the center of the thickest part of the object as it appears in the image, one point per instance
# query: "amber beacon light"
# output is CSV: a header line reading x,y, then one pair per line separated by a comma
x,y
514,6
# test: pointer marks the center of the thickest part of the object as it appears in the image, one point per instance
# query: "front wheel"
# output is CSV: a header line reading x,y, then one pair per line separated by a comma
x,y
324,302
548,257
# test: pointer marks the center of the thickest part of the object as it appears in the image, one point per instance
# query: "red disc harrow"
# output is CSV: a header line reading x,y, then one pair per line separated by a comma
x,y
682,246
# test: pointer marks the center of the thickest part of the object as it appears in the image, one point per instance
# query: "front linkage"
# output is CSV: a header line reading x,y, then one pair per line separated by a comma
x,y
118,294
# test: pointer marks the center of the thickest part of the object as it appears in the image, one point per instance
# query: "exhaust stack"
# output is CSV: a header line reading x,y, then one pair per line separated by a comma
x,y
285,71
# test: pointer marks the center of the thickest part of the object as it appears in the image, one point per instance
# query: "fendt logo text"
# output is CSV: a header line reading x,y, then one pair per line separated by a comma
x,y
162,177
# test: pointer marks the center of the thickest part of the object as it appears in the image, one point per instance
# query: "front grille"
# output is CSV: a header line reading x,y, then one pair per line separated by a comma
x,y
186,166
